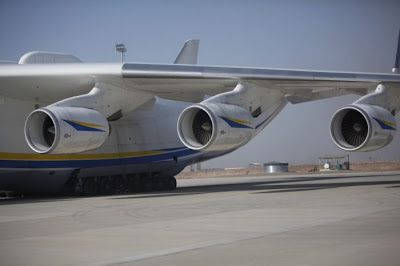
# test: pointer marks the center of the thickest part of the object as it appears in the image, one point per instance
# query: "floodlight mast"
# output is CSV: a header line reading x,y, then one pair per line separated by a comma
x,y
120,47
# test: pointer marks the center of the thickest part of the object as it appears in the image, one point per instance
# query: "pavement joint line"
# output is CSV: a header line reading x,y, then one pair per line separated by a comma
x,y
225,242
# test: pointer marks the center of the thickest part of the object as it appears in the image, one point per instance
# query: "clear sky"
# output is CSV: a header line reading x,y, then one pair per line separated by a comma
x,y
359,36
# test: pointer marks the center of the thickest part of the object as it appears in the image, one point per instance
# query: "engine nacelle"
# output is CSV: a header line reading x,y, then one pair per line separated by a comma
x,y
362,127
213,126
58,130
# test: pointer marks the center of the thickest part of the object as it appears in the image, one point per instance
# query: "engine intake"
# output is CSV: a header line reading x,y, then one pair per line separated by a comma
x,y
59,130
362,127
212,126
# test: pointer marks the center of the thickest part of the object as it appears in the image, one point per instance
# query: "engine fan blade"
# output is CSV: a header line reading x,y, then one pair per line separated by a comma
x,y
48,131
354,128
206,126
202,127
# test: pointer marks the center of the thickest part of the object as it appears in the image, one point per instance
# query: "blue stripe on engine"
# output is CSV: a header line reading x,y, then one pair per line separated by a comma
x,y
383,125
234,124
262,123
82,127
96,162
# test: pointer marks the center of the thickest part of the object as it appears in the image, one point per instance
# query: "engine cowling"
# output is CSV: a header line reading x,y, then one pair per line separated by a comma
x,y
213,126
362,127
60,130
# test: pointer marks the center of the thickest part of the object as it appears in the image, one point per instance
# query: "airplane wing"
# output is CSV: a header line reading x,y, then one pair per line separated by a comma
x,y
189,82
49,83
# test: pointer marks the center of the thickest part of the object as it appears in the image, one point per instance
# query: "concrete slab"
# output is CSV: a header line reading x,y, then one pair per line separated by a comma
x,y
302,220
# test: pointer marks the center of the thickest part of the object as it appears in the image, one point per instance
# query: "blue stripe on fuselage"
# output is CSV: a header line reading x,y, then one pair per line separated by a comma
x,y
178,152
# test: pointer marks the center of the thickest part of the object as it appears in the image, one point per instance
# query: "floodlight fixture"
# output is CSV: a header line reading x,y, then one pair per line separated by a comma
x,y
120,47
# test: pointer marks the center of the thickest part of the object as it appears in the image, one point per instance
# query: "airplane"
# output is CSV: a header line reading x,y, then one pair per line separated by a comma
x,y
84,128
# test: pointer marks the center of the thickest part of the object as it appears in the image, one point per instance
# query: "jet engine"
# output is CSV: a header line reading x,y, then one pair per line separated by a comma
x,y
213,126
362,127
59,130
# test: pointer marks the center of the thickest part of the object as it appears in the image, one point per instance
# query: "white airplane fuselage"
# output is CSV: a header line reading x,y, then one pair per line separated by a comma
x,y
143,141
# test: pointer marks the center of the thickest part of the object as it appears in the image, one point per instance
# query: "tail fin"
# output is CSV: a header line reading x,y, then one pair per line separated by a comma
x,y
188,53
397,62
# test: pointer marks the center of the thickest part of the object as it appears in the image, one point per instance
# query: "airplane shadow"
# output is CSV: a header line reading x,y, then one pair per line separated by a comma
x,y
35,199
283,185
276,185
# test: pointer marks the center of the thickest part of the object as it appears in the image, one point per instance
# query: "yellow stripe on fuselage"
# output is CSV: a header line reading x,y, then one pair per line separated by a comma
x,y
36,156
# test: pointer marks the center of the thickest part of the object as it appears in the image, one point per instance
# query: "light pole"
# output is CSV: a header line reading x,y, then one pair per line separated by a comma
x,y
120,47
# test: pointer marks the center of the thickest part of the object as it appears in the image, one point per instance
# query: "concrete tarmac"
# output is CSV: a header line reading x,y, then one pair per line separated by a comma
x,y
319,219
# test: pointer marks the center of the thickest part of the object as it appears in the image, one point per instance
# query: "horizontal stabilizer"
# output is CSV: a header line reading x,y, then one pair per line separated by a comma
x,y
188,53
48,58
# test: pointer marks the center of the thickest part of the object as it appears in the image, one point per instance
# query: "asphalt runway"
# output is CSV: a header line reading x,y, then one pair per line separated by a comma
x,y
319,219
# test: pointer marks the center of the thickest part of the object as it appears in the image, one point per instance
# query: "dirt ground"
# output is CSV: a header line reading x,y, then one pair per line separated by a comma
x,y
309,168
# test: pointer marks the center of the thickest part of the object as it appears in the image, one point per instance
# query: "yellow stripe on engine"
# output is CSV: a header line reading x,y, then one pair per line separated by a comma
x,y
239,121
388,123
85,123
